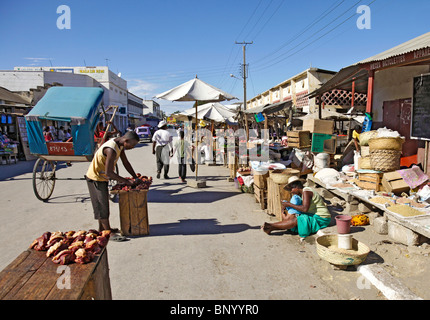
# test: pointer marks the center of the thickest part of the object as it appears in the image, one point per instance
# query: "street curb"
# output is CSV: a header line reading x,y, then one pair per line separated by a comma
x,y
390,287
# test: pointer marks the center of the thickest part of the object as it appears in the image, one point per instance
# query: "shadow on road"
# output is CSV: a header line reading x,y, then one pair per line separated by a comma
x,y
173,196
196,227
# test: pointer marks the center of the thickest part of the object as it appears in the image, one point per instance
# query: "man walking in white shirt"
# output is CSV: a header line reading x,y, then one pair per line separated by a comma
x,y
162,147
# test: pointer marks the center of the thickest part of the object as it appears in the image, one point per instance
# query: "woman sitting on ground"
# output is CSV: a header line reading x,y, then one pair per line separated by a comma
x,y
315,214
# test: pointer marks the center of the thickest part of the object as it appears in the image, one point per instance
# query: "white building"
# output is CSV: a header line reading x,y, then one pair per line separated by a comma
x,y
135,109
115,88
294,89
152,112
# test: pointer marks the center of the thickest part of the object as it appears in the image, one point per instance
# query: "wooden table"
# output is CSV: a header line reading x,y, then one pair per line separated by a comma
x,y
33,276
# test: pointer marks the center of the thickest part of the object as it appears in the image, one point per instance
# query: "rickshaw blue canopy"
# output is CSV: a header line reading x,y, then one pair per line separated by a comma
x,y
76,105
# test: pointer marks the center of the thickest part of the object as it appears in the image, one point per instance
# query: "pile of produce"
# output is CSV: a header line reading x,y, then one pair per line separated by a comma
x,y
141,183
244,169
68,247
360,220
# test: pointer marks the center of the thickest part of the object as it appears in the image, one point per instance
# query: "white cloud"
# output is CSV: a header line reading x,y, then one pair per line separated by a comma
x,y
37,61
142,88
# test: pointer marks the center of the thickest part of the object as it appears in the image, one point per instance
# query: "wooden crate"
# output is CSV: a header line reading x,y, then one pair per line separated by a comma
x,y
275,194
33,276
260,180
370,181
299,139
260,196
133,212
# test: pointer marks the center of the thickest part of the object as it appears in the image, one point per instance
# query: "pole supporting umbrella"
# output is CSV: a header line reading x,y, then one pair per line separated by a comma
x,y
195,90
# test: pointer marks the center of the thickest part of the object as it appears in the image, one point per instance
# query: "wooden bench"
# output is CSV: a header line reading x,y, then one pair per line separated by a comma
x,y
33,276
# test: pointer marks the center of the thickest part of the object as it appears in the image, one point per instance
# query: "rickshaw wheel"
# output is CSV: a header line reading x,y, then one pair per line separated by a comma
x,y
44,179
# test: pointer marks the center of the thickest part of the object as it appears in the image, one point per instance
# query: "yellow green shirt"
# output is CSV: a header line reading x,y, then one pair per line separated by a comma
x,y
97,169
355,135
317,205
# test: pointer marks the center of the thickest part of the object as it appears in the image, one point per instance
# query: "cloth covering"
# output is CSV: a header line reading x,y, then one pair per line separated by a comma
x,y
308,224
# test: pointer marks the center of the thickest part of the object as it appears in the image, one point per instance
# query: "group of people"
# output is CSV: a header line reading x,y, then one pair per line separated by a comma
x,y
61,135
305,213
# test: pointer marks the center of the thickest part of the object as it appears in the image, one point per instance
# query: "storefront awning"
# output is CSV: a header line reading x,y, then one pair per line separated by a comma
x,y
270,108
414,51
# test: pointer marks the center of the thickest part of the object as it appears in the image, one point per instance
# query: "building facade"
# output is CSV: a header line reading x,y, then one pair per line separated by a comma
x,y
294,89
135,110
115,88
152,112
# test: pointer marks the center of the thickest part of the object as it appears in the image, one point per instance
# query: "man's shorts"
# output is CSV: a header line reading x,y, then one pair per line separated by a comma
x,y
99,194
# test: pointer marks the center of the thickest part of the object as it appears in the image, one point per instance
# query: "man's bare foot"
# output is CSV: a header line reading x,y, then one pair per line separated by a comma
x,y
267,228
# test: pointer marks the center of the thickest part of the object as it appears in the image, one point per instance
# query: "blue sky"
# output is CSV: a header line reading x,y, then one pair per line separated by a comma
x,y
157,45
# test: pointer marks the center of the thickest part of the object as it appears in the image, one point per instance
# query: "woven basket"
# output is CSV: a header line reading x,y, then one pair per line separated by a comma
x,y
365,163
365,136
282,176
385,160
386,144
328,250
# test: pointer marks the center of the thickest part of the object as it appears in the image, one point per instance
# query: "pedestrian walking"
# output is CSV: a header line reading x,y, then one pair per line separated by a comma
x,y
102,169
162,147
182,148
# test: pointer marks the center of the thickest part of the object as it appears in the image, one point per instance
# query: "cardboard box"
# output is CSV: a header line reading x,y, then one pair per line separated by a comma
x,y
318,126
393,182
323,143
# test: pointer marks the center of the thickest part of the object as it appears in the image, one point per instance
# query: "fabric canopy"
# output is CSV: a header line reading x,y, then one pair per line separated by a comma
x,y
76,105
195,90
67,103
211,111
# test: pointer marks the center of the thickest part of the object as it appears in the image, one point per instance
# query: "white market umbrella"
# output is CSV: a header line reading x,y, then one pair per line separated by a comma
x,y
211,111
195,90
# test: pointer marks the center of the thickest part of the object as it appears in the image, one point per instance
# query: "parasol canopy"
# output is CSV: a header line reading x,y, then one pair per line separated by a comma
x,y
195,90
211,111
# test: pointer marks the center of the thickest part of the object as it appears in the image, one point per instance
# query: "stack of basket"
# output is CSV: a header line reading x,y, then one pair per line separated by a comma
x,y
365,162
385,153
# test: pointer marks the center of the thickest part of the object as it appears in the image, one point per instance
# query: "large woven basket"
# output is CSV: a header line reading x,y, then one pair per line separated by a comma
x,y
282,176
328,250
386,144
385,160
365,136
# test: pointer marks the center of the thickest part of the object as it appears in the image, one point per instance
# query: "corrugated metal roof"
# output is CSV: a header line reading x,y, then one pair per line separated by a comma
x,y
420,42
346,74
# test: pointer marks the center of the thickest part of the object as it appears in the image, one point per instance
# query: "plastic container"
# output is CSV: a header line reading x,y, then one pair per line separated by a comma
x,y
344,241
343,223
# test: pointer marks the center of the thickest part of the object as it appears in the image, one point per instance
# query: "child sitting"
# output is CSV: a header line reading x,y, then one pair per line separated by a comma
x,y
295,199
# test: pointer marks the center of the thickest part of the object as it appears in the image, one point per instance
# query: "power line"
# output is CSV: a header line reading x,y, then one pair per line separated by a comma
x,y
269,19
312,35
261,16
319,18
344,21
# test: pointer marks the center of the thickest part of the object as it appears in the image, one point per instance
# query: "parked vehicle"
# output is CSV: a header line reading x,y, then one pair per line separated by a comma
x,y
144,133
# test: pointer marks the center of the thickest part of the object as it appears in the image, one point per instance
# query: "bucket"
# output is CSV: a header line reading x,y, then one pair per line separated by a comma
x,y
343,223
344,241
236,183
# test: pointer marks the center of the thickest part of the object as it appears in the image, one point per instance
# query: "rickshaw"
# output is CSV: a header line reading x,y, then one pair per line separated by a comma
x,y
79,108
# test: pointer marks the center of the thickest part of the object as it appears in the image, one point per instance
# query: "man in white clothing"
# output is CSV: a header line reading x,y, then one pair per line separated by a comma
x,y
162,147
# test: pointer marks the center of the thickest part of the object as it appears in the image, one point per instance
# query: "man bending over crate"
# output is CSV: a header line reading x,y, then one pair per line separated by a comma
x,y
102,169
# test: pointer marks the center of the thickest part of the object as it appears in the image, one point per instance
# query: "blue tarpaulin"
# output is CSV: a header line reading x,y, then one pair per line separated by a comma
x,y
76,105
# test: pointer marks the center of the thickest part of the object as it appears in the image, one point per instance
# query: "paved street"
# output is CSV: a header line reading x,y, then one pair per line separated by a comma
x,y
203,243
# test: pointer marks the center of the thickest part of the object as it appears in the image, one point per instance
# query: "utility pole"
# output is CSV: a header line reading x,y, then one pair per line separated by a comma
x,y
244,76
